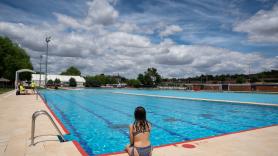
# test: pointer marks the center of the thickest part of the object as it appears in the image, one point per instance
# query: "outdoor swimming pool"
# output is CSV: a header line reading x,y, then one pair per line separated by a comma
x,y
232,96
98,118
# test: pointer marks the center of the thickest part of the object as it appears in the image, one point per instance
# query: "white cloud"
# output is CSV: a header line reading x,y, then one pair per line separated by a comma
x,y
128,27
103,44
101,12
117,39
262,27
170,30
68,21
27,36
175,56
196,59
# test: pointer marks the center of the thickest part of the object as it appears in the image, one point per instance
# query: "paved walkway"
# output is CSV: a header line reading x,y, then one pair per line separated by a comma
x,y
15,129
260,142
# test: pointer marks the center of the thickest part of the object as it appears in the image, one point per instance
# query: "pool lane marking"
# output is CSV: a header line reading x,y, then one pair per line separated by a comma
x,y
80,149
188,122
129,115
213,129
94,114
102,105
105,120
181,142
243,116
193,140
198,99
77,134
53,114
236,116
220,120
184,121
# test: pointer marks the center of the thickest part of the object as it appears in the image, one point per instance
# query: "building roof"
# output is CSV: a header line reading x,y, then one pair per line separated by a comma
x,y
4,80
63,78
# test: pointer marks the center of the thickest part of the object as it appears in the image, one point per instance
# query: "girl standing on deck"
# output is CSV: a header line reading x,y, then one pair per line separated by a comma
x,y
139,134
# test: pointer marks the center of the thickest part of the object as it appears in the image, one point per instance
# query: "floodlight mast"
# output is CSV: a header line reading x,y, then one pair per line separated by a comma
x,y
40,70
47,40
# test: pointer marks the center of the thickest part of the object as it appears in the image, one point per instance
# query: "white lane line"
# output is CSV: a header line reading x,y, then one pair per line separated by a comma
x,y
199,99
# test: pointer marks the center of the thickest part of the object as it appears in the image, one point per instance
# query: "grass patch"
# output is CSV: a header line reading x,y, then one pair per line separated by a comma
x,y
4,90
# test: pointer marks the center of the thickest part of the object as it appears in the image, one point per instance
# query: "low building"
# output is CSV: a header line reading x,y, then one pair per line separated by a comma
x,y
240,87
212,87
266,87
63,78
119,85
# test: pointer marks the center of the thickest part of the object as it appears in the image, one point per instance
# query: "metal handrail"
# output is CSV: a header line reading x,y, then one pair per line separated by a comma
x,y
34,116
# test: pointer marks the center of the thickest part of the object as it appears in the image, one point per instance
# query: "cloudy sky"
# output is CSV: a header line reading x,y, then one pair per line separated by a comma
x,y
180,38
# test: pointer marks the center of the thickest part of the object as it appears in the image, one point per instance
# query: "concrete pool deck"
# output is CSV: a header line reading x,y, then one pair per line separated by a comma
x,y
258,142
15,131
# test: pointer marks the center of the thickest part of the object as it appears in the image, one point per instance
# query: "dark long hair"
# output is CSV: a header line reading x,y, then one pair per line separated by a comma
x,y
141,122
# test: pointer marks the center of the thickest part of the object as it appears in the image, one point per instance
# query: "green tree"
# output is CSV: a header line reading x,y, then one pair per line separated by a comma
x,y
71,71
156,78
101,79
133,83
254,79
141,78
91,81
72,82
50,82
57,82
150,78
148,81
13,58
240,79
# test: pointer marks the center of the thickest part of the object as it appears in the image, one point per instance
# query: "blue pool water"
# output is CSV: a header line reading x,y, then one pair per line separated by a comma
x,y
98,119
232,96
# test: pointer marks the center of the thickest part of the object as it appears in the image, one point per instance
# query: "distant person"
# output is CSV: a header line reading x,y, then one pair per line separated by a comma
x,y
22,89
33,86
18,89
139,135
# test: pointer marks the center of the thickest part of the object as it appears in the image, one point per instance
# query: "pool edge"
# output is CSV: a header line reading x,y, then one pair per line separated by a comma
x,y
75,143
79,148
54,115
198,99
84,153
182,142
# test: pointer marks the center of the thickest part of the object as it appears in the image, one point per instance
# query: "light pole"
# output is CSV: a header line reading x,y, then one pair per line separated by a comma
x,y
40,69
249,72
47,40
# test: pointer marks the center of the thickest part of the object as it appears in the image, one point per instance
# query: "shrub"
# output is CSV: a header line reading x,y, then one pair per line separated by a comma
x,y
57,82
72,82
134,83
240,80
50,82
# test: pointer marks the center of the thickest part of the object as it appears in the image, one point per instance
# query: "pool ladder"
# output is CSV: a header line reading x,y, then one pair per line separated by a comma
x,y
34,116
